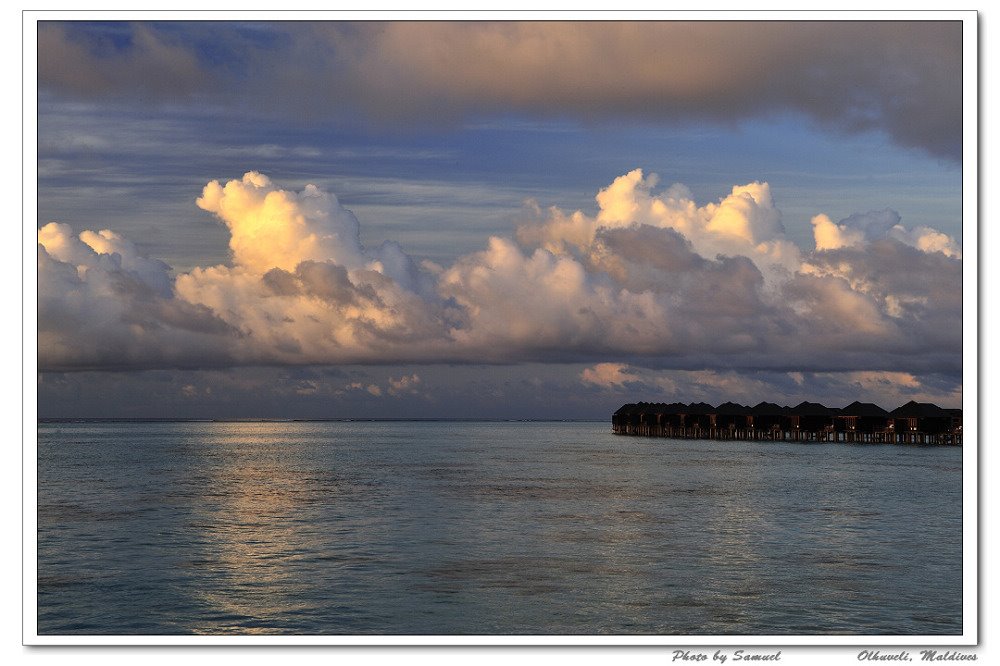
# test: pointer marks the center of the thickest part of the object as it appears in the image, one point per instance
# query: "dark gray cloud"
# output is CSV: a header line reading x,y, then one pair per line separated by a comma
x,y
903,78
148,65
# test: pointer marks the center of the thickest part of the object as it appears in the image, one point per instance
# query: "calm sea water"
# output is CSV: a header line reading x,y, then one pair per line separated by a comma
x,y
488,528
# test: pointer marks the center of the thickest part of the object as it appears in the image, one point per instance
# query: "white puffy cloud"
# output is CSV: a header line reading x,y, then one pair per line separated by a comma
x,y
829,235
926,239
152,272
302,288
651,276
743,223
272,228
540,303
861,229
101,305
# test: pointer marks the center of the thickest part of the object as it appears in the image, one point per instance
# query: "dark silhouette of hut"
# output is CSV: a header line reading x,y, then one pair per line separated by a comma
x,y
863,422
672,415
956,420
622,418
811,416
915,420
767,416
733,416
700,415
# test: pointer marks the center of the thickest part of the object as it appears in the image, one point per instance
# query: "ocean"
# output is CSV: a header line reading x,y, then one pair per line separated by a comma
x,y
427,527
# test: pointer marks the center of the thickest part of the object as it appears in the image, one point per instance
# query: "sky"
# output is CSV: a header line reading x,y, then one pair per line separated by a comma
x,y
496,220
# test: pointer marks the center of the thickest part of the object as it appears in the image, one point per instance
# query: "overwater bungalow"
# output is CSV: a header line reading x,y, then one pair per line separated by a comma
x,y
863,422
810,421
918,422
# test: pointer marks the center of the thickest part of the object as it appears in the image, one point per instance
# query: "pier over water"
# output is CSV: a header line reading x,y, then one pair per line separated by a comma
x,y
860,422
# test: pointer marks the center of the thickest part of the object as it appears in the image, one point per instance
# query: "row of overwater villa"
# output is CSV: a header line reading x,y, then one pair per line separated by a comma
x,y
859,422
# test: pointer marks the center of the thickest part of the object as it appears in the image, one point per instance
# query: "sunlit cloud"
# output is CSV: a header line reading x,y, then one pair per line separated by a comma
x,y
860,229
273,228
606,375
652,275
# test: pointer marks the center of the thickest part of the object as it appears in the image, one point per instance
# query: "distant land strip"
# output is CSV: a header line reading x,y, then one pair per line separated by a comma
x,y
860,422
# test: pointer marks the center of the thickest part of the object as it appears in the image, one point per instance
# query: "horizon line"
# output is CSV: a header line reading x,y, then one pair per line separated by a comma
x,y
346,419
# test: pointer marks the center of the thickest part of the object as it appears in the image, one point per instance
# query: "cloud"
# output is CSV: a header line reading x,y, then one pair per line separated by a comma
x,y
272,228
606,375
407,384
743,223
373,389
466,391
147,64
860,229
654,279
886,388
904,78
101,305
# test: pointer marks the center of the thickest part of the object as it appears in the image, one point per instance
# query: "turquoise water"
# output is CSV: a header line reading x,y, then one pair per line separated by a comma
x,y
488,528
